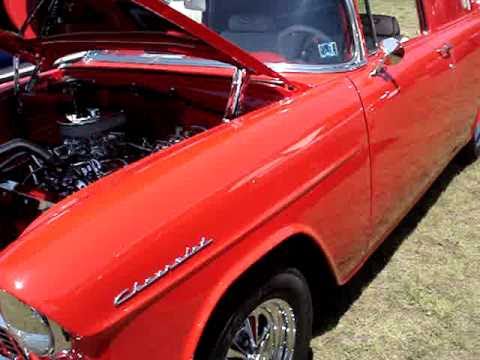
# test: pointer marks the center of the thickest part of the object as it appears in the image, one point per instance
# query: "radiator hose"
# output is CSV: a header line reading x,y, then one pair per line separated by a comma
x,y
29,147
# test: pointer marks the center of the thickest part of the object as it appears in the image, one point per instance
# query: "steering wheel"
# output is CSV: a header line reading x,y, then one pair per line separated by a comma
x,y
300,43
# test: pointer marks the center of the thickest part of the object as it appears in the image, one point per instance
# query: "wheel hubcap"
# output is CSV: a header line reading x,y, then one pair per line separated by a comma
x,y
268,333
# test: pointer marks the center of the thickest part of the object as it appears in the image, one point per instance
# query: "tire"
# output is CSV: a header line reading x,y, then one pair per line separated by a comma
x,y
286,296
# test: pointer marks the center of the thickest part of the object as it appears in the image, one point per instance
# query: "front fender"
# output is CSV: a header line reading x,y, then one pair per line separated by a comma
x,y
239,265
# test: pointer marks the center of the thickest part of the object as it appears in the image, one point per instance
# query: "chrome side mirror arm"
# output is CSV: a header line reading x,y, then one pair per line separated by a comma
x,y
379,68
391,52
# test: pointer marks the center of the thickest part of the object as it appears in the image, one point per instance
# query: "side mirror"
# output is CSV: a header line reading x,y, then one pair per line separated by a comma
x,y
199,5
391,52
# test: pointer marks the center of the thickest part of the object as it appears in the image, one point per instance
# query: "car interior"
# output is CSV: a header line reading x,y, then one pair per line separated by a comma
x,y
385,27
285,30
282,30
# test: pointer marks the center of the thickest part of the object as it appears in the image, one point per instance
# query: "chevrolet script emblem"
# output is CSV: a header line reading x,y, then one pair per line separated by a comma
x,y
137,287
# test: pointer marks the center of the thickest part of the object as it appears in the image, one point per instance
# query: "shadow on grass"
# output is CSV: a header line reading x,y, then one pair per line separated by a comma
x,y
335,301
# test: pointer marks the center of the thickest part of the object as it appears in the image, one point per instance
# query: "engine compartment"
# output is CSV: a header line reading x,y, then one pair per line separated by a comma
x,y
93,145
71,133
82,123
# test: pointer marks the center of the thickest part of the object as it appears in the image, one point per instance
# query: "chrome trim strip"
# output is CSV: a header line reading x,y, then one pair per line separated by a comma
x,y
22,71
27,69
153,59
4,327
69,58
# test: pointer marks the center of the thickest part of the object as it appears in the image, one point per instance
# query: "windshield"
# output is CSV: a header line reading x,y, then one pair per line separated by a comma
x,y
314,32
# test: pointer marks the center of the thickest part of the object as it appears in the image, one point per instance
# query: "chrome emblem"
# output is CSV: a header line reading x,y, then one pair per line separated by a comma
x,y
137,287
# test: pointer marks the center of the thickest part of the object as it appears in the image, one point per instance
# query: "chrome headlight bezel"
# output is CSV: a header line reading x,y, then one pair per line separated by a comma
x,y
21,320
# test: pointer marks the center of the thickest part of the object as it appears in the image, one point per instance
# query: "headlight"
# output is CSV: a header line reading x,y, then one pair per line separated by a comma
x,y
33,332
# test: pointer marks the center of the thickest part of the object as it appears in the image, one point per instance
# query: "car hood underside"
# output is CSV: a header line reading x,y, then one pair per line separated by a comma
x,y
50,29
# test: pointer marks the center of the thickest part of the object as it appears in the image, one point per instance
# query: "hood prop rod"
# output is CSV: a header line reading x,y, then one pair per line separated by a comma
x,y
240,80
30,18
16,75
16,59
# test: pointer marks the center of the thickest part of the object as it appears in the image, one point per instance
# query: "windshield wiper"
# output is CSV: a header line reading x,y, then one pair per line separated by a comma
x,y
16,59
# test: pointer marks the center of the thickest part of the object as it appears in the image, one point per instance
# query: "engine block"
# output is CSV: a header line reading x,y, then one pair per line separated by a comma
x,y
93,146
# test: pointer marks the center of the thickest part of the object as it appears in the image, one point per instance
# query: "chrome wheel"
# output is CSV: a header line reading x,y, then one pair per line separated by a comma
x,y
268,333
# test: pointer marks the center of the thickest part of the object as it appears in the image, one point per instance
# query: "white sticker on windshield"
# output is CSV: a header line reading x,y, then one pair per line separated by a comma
x,y
328,50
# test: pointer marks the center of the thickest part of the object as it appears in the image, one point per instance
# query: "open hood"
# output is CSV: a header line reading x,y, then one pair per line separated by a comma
x,y
61,27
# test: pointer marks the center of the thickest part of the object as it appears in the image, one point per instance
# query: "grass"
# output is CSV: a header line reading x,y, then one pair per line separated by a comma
x,y
404,10
419,296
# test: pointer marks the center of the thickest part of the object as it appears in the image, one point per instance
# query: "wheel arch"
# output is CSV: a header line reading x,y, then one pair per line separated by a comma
x,y
299,250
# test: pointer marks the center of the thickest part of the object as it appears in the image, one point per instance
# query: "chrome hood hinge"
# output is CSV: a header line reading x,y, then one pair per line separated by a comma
x,y
240,80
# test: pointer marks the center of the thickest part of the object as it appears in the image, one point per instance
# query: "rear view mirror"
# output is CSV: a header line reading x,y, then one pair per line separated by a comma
x,y
199,5
391,52
385,26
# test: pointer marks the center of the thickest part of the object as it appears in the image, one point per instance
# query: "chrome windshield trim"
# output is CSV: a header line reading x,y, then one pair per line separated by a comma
x,y
160,59
359,57
299,68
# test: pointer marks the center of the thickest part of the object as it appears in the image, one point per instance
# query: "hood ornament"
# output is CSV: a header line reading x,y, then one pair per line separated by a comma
x,y
137,287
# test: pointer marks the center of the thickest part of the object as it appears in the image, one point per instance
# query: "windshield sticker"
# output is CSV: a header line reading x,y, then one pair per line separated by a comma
x,y
328,50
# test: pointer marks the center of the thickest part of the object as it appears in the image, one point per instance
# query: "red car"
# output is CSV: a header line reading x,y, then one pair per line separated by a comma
x,y
171,189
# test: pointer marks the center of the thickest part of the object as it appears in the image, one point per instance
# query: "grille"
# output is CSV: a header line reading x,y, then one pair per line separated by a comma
x,y
9,348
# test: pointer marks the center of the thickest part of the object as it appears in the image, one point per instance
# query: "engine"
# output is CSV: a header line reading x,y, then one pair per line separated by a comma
x,y
93,145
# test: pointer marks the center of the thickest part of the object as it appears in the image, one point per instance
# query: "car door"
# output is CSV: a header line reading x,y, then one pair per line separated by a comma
x,y
409,115
460,27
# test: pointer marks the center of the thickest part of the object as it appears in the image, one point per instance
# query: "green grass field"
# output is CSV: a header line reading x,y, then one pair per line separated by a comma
x,y
404,10
419,296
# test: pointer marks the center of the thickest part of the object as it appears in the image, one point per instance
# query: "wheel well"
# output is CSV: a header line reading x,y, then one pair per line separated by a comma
x,y
300,252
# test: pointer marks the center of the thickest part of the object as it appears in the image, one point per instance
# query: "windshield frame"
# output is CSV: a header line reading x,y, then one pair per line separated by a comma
x,y
359,57
358,60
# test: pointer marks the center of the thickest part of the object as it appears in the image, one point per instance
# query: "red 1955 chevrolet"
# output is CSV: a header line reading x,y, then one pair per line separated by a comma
x,y
172,187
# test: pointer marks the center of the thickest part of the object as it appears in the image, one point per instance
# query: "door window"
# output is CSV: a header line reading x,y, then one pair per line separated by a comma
x,y
383,19
467,4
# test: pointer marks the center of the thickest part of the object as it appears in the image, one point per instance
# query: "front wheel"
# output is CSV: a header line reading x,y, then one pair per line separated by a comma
x,y
273,322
